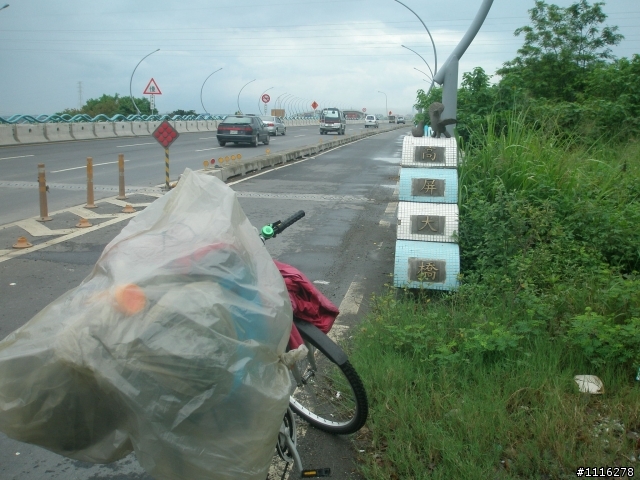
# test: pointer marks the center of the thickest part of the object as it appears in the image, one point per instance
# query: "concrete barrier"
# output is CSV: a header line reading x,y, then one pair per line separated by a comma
x,y
30,133
140,129
58,132
104,130
123,129
153,125
82,131
202,126
192,126
181,127
7,135
212,125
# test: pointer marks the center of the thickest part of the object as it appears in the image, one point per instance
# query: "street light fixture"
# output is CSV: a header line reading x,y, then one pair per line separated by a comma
x,y
131,79
4,6
239,109
426,75
205,81
276,102
385,103
261,98
426,63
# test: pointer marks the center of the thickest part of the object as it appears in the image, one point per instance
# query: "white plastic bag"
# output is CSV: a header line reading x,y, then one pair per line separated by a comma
x,y
170,347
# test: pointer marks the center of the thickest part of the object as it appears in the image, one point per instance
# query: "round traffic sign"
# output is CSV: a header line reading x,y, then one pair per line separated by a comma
x,y
364,110
266,98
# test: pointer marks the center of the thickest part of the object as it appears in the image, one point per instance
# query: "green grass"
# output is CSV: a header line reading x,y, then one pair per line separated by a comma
x,y
479,383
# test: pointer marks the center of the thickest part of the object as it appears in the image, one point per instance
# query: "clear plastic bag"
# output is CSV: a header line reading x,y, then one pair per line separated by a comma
x,y
170,347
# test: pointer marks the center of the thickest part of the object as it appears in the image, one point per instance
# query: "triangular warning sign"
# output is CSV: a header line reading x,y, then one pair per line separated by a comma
x,y
152,88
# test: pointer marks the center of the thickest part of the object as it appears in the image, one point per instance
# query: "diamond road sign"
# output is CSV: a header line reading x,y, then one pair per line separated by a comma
x,y
165,134
314,105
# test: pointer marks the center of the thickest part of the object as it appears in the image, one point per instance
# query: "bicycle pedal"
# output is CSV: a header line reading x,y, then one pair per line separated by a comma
x,y
316,472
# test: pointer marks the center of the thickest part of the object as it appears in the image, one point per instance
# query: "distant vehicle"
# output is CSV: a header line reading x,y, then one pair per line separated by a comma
x,y
400,119
242,129
274,125
392,119
332,120
371,121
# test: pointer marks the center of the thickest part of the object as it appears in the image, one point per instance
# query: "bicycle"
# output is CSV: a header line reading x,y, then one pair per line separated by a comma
x,y
328,393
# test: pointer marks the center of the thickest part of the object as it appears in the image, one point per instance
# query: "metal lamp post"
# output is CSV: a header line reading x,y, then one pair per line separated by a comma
x,y
425,62
386,108
131,79
276,102
205,81
4,6
239,109
260,98
425,74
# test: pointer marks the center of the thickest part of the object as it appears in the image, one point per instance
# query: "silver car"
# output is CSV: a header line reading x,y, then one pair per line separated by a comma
x,y
274,125
371,121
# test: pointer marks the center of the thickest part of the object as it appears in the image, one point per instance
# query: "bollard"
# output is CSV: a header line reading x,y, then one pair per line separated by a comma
x,y
42,187
121,194
90,203
83,223
166,169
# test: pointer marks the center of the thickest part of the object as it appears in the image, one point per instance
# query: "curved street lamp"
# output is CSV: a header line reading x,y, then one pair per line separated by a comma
x,y
205,81
385,103
435,54
4,6
131,79
239,109
426,75
276,102
260,98
427,64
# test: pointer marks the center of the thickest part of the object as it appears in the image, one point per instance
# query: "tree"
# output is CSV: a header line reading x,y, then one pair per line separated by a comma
x,y
183,112
111,105
560,47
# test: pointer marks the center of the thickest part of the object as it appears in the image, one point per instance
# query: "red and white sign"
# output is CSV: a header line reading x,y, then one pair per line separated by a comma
x,y
266,98
314,105
364,110
152,88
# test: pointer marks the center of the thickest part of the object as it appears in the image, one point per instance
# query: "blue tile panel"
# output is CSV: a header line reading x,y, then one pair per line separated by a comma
x,y
428,185
436,264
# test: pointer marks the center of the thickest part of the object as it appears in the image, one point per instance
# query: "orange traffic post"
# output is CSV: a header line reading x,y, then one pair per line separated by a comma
x,y
121,194
42,187
90,203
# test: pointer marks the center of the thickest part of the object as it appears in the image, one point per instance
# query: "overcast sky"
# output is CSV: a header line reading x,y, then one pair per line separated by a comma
x,y
337,52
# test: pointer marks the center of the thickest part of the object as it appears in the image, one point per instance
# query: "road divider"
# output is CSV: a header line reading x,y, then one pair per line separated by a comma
x,y
227,169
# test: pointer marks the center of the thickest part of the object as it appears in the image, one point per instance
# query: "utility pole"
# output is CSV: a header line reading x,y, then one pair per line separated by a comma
x,y
80,103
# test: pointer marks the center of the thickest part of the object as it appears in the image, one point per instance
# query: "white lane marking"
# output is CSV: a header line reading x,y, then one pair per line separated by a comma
x,y
349,306
296,136
207,138
321,282
384,223
64,238
205,149
37,229
77,168
391,208
134,145
21,156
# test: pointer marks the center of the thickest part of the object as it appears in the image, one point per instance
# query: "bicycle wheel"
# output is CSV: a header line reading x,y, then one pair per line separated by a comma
x,y
328,391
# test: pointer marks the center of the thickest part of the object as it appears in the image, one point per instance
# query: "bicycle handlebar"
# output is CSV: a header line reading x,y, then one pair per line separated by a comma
x,y
273,229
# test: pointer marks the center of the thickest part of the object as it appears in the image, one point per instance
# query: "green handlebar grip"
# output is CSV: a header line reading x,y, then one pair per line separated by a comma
x,y
267,231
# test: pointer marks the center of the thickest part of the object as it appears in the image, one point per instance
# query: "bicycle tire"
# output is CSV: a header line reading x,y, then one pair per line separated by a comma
x,y
331,395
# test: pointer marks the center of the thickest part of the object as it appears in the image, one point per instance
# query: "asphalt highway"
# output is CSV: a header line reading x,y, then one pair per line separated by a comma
x,y
65,164
345,245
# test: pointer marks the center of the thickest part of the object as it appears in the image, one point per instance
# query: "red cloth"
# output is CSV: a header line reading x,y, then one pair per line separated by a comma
x,y
308,302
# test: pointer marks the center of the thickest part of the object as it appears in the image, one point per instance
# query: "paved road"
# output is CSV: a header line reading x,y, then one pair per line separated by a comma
x,y
345,243
65,164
